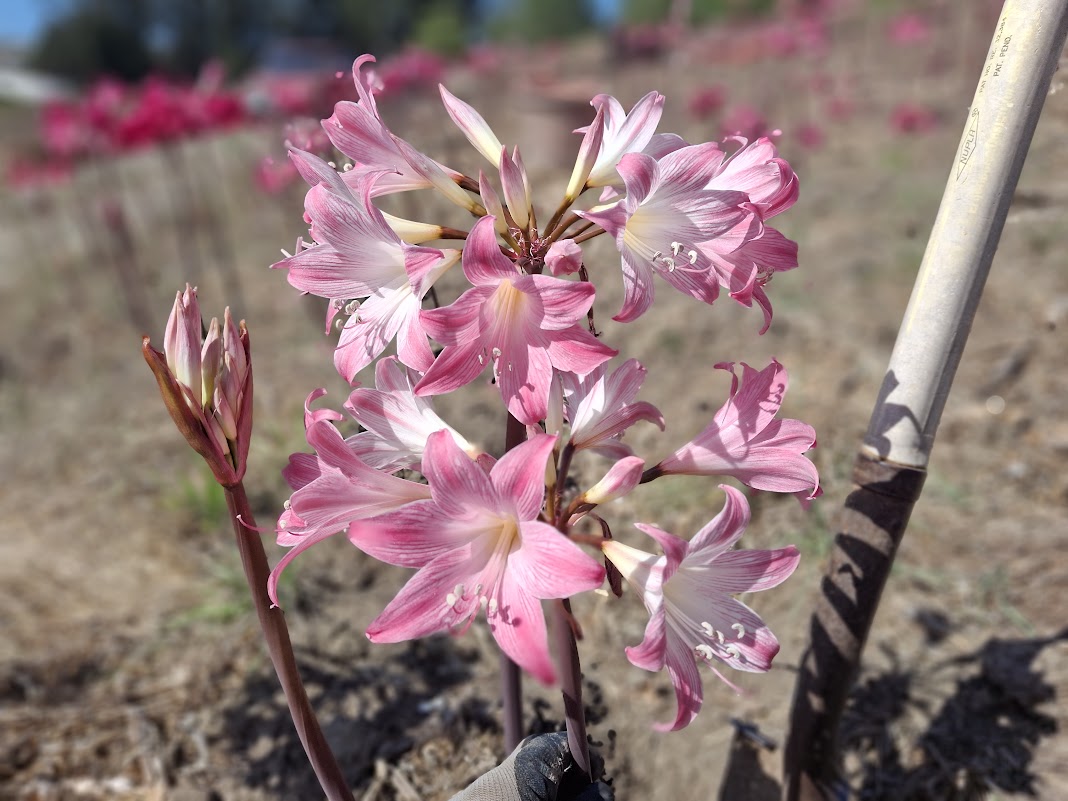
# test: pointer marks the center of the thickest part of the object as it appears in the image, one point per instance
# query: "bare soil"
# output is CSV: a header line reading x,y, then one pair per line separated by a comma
x,y
129,661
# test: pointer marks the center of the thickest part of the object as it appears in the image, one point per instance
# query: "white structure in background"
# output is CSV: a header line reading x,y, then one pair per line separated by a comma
x,y
26,87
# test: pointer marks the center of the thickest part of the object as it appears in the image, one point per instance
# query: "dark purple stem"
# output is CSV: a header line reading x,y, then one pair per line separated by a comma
x,y
511,679
571,684
276,636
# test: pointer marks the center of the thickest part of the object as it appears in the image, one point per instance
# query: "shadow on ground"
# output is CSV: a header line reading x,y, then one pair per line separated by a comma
x,y
368,713
982,738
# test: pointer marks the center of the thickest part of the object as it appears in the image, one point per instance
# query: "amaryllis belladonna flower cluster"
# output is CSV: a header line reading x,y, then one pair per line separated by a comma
x,y
492,536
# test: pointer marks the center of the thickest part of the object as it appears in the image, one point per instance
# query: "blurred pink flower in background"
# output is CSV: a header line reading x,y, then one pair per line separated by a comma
x,y
411,70
908,28
840,108
913,118
707,101
745,121
810,136
275,176
484,59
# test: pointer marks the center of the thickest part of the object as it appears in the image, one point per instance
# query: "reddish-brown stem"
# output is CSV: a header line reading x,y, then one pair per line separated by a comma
x,y
568,221
511,679
564,636
578,240
561,479
280,649
571,684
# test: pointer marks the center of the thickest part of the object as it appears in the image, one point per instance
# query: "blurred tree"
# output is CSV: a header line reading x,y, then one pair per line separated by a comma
x,y
97,37
191,32
541,20
441,28
694,12
129,38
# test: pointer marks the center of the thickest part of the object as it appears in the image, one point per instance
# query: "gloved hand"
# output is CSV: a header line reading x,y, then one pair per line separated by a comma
x,y
539,769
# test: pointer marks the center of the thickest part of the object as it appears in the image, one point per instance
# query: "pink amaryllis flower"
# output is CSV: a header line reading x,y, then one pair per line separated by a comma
x,y
479,546
744,440
523,325
744,270
359,256
397,421
332,488
667,212
357,130
622,133
692,615
600,408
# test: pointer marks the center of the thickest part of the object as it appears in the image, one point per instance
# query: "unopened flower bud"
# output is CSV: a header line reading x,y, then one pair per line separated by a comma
x,y
210,361
181,341
206,386
493,203
473,126
621,479
514,183
564,257
587,156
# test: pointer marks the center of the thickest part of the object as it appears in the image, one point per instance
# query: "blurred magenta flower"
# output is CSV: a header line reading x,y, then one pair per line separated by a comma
x,y
413,69
693,617
745,121
908,28
707,101
811,136
913,118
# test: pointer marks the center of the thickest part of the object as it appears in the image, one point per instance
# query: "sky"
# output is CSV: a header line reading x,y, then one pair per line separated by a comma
x,y
22,20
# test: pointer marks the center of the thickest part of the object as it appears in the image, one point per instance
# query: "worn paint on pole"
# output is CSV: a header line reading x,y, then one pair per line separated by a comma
x,y
1012,88
891,465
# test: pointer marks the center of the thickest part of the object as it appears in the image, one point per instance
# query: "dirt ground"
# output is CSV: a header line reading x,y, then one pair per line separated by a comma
x,y
130,666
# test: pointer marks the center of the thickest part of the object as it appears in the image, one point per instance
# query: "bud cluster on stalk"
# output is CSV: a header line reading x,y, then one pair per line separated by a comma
x,y
206,381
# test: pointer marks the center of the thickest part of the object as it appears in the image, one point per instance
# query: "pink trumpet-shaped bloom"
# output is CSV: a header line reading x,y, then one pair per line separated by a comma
x,y
772,186
479,546
360,256
600,408
523,325
357,130
692,615
623,133
667,214
397,421
746,442
332,489
757,170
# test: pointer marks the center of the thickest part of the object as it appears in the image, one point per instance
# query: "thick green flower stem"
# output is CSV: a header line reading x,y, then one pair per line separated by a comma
x,y
276,635
571,684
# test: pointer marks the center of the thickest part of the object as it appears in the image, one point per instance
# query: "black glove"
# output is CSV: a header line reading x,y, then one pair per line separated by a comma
x,y
539,769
